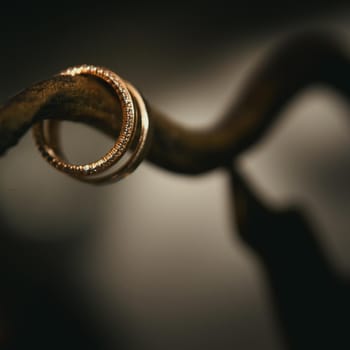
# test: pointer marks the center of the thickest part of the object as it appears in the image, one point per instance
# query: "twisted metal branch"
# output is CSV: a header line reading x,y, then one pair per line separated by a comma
x,y
291,67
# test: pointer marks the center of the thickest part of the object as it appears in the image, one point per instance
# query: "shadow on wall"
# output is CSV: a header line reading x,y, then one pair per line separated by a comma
x,y
311,301
40,307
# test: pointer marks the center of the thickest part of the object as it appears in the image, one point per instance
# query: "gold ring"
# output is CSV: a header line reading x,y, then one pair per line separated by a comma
x,y
135,123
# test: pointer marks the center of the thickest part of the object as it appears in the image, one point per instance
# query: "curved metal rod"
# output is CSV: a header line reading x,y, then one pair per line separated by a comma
x,y
291,67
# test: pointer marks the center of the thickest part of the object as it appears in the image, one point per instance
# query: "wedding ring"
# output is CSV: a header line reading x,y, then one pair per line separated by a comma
x,y
135,123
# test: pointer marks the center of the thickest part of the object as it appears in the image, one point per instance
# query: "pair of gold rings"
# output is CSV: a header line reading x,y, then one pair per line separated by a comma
x,y
135,123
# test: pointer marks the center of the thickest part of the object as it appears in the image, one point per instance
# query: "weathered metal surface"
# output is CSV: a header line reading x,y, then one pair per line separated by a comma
x,y
288,69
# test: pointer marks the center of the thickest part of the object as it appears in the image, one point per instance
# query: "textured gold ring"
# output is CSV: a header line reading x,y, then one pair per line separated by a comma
x,y
135,122
123,140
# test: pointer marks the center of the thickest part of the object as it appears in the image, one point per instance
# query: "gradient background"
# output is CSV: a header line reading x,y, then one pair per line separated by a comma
x,y
158,252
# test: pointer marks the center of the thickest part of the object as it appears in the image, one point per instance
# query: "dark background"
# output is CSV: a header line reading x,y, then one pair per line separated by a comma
x,y
154,262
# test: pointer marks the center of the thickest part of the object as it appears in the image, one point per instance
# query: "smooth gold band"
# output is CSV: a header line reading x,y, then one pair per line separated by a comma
x,y
135,122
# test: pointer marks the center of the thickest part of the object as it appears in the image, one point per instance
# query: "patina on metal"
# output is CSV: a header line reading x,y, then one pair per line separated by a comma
x,y
288,69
